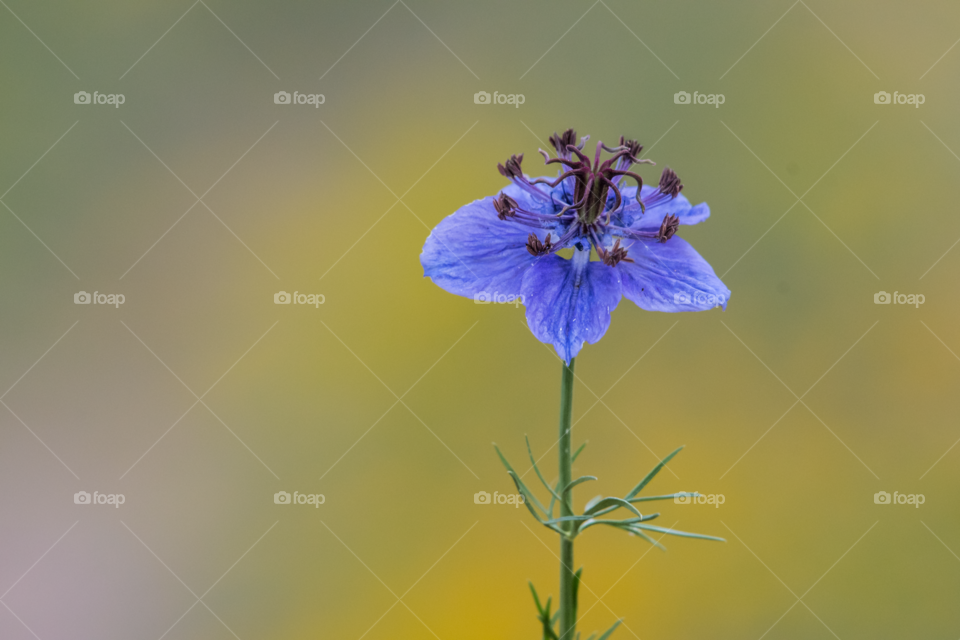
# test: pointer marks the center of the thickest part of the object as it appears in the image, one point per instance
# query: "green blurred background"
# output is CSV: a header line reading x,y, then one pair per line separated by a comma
x,y
303,398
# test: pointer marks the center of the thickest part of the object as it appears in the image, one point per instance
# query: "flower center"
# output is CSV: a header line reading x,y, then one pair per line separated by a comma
x,y
587,215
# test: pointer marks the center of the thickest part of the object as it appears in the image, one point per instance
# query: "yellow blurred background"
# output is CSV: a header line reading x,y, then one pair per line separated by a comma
x,y
386,398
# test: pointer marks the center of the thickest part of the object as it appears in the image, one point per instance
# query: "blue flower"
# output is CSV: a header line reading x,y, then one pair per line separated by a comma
x,y
505,246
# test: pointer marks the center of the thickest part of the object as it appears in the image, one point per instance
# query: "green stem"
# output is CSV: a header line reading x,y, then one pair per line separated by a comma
x,y
568,605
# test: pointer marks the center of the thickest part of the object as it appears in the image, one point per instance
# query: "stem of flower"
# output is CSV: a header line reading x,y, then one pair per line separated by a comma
x,y
568,604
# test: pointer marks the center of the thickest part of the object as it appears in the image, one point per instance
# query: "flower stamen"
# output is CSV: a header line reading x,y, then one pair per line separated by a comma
x,y
614,255
537,248
506,206
668,227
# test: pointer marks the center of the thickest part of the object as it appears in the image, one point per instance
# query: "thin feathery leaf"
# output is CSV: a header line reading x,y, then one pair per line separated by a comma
x,y
528,495
579,480
576,453
537,469
637,489
610,630
611,504
674,532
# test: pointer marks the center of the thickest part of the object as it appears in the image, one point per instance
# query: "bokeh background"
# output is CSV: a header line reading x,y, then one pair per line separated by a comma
x,y
387,397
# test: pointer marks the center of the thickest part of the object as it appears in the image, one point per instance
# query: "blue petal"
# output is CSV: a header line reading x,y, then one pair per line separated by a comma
x,y
671,277
569,301
472,252
631,215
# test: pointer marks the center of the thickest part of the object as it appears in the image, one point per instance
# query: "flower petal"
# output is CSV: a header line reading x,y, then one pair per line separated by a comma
x,y
569,301
473,253
631,215
671,276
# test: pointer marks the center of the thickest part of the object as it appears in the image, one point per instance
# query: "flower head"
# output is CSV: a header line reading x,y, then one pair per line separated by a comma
x,y
508,244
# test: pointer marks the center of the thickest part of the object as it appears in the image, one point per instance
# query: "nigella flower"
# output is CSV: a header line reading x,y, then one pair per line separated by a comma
x,y
507,245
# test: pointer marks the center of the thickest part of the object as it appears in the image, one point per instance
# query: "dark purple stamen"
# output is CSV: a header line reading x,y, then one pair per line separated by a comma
x,y
614,255
505,205
670,183
668,227
537,248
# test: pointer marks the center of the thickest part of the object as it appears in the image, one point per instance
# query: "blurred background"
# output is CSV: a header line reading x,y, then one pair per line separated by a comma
x,y
198,398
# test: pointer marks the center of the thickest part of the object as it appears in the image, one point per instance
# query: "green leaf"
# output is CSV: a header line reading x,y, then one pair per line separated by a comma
x,y
674,532
592,502
536,599
537,469
579,480
641,534
610,630
637,489
607,503
617,523
544,615
576,453
567,519
666,497
529,498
